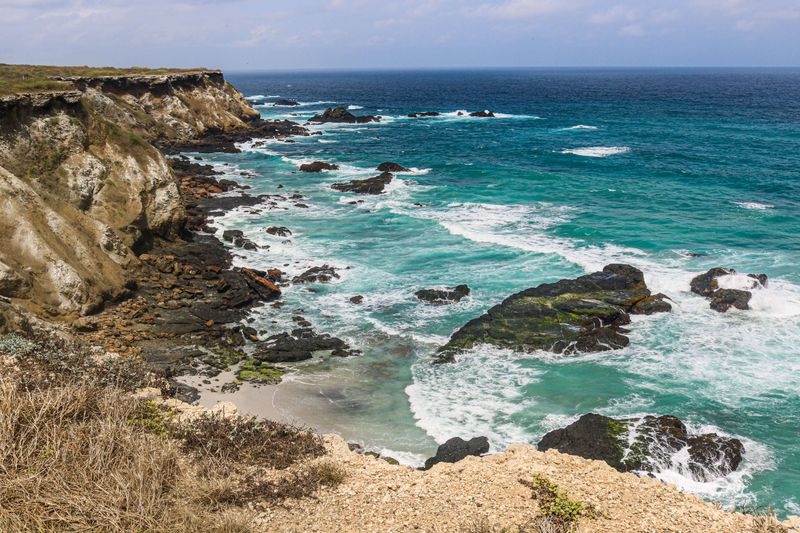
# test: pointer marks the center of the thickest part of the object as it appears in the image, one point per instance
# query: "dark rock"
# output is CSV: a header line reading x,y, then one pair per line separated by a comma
x,y
482,114
374,185
648,444
760,278
724,299
457,449
257,281
568,316
285,102
706,284
652,304
320,274
300,345
230,235
357,299
391,167
423,114
318,166
448,295
280,231
341,115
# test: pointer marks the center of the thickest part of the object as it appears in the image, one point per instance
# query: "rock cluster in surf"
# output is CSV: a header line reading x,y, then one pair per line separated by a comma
x,y
572,315
723,299
647,444
374,185
447,295
342,116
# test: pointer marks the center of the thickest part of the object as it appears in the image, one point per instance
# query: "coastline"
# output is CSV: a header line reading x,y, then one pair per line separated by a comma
x,y
187,315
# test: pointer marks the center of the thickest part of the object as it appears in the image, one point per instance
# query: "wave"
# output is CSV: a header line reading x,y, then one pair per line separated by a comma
x,y
354,107
257,97
754,205
597,151
580,127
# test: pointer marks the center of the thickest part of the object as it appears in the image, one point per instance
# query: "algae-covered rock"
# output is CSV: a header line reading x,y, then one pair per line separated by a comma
x,y
707,285
647,444
566,317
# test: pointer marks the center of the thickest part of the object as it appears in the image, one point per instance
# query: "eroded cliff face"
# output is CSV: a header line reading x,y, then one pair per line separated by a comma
x,y
82,185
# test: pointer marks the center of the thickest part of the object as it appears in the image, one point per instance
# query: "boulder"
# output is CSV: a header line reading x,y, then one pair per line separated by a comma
x,y
280,231
457,449
300,345
423,114
320,274
341,115
569,316
374,185
706,284
724,299
482,114
357,299
652,304
391,167
230,234
318,166
647,444
285,102
448,295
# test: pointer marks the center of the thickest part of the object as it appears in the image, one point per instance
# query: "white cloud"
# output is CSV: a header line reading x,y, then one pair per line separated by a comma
x,y
516,9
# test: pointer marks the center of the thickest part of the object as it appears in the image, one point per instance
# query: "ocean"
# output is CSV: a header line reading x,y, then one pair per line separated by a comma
x,y
673,171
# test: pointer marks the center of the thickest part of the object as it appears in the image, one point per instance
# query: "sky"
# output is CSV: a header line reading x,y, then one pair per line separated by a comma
x,y
341,34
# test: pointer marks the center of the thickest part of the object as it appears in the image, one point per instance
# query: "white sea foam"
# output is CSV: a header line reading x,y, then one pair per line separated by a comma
x,y
354,107
754,205
580,127
597,151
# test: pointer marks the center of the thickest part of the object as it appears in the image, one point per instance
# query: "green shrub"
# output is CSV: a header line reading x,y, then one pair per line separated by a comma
x,y
556,504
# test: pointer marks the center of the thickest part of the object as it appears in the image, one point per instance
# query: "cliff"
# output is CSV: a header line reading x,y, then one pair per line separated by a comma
x,y
83,186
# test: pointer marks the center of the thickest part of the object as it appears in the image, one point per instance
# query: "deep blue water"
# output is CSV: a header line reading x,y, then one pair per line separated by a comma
x,y
581,168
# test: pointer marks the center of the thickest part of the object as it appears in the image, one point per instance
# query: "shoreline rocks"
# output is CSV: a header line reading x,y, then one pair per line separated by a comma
x,y
300,345
482,114
374,185
647,444
420,114
721,300
317,274
457,449
585,314
318,166
445,296
342,116
286,102
388,166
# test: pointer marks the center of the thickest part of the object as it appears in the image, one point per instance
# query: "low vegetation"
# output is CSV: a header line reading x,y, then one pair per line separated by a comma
x,y
78,451
555,505
16,79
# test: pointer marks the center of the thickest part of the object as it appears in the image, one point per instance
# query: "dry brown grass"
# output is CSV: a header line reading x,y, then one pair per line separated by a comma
x,y
79,453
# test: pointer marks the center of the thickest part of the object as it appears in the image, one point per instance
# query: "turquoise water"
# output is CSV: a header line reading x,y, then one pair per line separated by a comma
x,y
580,169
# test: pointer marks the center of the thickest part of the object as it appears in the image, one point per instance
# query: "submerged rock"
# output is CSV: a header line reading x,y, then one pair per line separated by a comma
x,y
341,115
568,316
299,345
280,231
723,299
285,102
647,444
391,167
374,185
482,114
457,449
318,166
320,274
423,114
448,295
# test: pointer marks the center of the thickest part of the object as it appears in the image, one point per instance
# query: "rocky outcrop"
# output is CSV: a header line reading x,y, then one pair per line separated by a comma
x,y
647,444
286,102
482,114
84,188
280,231
419,114
447,295
300,345
722,300
342,116
318,166
374,185
388,166
457,449
572,315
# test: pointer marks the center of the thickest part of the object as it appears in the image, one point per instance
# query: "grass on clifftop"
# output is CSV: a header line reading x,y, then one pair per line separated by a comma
x,y
79,452
16,79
